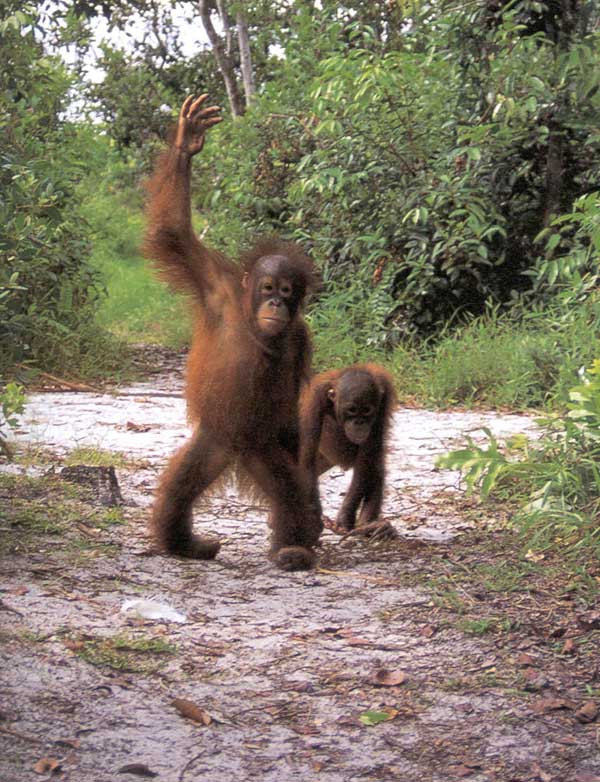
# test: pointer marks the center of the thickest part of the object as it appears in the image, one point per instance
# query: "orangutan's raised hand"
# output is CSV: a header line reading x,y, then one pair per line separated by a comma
x,y
193,122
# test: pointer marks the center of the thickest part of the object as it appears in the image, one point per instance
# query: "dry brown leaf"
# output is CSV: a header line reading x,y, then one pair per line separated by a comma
x,y
587,713
47,765
133,427
525,659
74,646
191,711
552,704
570,741
462,771
386,678
72,743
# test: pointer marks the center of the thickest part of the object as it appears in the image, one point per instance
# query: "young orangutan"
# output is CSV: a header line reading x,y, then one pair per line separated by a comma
x,y
344,420
250,353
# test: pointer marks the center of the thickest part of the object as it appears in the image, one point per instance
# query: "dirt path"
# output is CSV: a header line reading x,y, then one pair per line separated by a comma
x,y
435,657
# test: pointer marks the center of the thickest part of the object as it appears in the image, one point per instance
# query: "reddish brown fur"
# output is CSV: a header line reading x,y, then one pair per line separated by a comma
x,y
242,389
325,444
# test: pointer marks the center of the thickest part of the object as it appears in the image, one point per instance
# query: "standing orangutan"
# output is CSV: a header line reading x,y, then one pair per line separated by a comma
x,y
250,352
344,420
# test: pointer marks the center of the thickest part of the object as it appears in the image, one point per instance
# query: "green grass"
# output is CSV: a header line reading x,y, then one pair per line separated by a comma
x,y
46,511
499,361
122,653
137,307
97,457
476,626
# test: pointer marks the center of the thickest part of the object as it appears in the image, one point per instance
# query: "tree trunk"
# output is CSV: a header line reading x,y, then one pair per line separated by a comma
x,y
226,27
245,57
224,62
554,173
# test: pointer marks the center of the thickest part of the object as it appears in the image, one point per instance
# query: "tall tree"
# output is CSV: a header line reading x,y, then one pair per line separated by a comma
x,y
223,49
245,56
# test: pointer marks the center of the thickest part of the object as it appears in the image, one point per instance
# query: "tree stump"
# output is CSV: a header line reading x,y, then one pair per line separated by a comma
x,y
102,480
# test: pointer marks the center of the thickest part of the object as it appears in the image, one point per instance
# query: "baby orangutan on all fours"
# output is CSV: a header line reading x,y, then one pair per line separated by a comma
x,y
250,353
344,420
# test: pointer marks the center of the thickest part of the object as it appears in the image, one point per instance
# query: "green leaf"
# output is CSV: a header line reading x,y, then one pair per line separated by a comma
x,y
371,718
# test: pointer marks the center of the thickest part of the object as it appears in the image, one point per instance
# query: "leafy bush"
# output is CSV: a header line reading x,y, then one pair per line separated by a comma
x,y
449,191
137,307
12,402
47,288
559,473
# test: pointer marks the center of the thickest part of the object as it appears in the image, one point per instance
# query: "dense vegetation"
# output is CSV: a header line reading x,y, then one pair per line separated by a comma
x,y
440,161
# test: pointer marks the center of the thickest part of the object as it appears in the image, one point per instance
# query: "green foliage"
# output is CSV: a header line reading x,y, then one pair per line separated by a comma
x,y
374,717
138,96
447,190
527,357
440,163
47,288
571,252
12,404
558,473
137,307
123,653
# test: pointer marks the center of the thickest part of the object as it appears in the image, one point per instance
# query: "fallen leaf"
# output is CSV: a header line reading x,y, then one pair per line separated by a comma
x,y
385,678
137,768
74,646
133,427
540,774
534,556
569,647
462,771
22,590
356,641
525,659
552,704
570,741
300,687
587,713
191,711
47,765
72,743
371,718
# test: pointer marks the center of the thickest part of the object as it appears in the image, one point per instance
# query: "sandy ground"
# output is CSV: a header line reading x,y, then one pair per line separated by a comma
x,y
358,670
